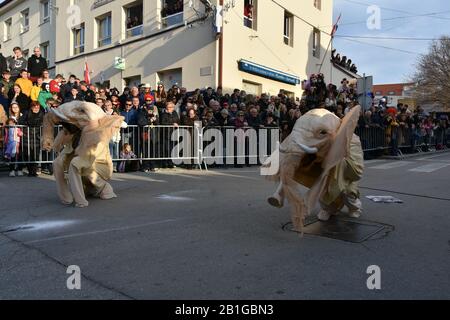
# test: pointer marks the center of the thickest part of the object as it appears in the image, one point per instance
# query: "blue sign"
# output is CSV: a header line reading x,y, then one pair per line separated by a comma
x,y
269,73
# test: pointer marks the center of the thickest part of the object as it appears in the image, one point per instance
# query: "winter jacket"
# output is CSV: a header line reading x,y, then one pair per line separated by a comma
x,y
25,85
17,65
34,95
8,86
22,99
88,95
43,97
3,64
130,117
12,141
168,119
37,65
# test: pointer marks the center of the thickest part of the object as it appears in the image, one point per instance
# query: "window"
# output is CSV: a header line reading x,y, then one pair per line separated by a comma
x,y
378,93
318,4
134,23
316,43
45,50
172,12
104,30
78,39
24,21
7,29
252,87
288,30
45,11
391,93
250,14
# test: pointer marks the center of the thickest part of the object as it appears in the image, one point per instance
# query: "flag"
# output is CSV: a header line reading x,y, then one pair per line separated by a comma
x,y
336,26
87,77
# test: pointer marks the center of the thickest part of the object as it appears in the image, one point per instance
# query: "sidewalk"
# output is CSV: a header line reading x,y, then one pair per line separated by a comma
x,y
414,155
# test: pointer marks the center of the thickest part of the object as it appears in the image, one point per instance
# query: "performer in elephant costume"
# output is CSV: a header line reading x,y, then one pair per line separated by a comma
x,y
83,150
323,154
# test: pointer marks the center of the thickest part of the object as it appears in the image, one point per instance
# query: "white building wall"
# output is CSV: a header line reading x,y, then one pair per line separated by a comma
x,y
188,48
37,34
265,46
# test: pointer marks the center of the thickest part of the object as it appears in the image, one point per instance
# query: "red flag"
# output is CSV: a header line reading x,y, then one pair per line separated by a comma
x,y
87,77
336,26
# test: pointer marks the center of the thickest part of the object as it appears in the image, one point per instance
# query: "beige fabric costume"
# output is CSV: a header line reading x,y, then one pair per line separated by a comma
x,y
89,166
324,155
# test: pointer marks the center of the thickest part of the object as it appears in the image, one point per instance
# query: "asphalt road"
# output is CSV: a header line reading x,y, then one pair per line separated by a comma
x,y
197,235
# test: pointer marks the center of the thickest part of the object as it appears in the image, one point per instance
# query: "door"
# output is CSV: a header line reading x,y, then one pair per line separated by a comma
x,y
171,77
134,81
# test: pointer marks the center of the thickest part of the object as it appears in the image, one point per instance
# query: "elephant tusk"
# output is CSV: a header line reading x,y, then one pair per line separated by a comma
x,y
307,149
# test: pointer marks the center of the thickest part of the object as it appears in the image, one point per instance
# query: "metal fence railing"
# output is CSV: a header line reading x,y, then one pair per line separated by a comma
x,y
210,145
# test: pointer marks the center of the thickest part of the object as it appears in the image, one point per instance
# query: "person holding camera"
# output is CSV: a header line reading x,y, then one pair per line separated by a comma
x,y
147,118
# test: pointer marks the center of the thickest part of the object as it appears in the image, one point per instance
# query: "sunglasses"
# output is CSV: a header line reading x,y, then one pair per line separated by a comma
x,y
129,104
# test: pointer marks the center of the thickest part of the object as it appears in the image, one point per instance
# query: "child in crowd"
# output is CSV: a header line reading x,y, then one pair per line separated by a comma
x,y
12,146
128,165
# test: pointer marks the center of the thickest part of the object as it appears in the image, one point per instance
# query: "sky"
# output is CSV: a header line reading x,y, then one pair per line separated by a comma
x,y
399,18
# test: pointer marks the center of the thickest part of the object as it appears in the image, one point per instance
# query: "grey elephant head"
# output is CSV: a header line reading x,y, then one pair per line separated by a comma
x,y
313,133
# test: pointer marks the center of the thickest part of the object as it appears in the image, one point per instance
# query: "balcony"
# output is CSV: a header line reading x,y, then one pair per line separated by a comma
x,y
78,49
104,42
135,31
172,20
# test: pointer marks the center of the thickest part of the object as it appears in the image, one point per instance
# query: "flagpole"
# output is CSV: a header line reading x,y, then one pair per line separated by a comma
x,y
323,60
335,26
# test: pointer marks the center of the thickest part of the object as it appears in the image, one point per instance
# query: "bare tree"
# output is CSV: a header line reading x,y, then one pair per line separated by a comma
x,y
433,74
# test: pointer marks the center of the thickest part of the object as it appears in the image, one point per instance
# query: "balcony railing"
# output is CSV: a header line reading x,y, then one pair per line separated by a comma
x,y
135,31
172,20
78,49
248,22
104,42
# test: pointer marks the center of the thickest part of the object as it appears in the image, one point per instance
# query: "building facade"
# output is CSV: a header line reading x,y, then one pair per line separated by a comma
x,y
261,46
396,93
28,24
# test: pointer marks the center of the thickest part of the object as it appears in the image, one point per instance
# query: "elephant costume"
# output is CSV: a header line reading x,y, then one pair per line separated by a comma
x,y
83,150
323,154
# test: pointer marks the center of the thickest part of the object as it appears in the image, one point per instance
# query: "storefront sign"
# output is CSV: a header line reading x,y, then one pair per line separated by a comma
x,y
267,72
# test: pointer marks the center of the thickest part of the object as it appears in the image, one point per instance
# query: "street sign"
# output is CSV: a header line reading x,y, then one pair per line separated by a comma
x,y
364,89
119,63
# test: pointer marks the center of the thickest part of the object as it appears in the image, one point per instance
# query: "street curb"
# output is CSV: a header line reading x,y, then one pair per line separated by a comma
x,y
414,155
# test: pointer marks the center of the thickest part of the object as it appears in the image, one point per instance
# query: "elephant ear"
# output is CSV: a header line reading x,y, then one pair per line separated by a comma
x,y
102,133
340,148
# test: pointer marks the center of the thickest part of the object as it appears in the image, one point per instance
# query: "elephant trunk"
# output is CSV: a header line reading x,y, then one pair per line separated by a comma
x,y
48,133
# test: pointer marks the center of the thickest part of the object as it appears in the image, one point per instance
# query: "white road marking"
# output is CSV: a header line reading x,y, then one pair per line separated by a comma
x,y
434,156
169,197
370,162
430,167
46,225
391,165
75,235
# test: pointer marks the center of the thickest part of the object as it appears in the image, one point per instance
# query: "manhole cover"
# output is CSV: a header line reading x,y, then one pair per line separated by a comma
x,y
342,228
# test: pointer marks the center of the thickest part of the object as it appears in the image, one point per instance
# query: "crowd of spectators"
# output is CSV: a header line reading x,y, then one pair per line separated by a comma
x,y
404,128
171,7
30,93
343,62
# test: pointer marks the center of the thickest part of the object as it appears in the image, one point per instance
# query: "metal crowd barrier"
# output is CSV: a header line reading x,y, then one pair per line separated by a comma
x,y
215,145
228,145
